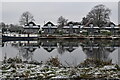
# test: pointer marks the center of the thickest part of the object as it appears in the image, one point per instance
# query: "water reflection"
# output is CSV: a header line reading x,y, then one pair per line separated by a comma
x,y
98,50
79,50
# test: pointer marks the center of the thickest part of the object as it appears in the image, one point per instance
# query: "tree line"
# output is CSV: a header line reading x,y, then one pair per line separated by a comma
x,y
98,16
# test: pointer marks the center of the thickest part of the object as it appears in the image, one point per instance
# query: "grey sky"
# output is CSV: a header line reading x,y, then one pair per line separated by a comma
x,y
50,11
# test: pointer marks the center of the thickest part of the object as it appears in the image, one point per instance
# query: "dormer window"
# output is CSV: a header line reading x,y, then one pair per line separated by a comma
x,y
49,25
30,25
111,25
91,25
70,24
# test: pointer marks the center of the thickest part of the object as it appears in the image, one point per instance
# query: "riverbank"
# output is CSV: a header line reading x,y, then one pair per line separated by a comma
x,y
80,37
53,70
32,71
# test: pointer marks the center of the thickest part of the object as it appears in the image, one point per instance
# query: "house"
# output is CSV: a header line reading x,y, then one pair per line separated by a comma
x,y
71,28
108,26
31,27
49,28
111,27
90,29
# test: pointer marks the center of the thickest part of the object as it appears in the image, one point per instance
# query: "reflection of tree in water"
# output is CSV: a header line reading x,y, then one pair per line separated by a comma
x,y
97,51
27,53
25,50
60,48
94,49
68,46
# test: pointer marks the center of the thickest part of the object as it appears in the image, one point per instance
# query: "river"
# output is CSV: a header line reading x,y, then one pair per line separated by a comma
x,y
69,52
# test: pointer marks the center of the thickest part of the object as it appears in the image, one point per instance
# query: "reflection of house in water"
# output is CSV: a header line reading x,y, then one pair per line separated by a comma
x,y
97,51
26,48
92,48
70,46
49,46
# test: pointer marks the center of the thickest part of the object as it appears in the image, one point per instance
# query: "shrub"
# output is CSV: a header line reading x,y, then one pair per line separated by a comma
x,y
54,62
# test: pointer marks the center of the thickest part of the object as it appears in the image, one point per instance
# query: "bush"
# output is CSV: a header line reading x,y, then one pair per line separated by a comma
x,y
54,62
117,66
17,60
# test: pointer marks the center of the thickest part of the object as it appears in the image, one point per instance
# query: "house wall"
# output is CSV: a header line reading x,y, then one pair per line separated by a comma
x,y
31,30
49,31
68,30
76,31
92,31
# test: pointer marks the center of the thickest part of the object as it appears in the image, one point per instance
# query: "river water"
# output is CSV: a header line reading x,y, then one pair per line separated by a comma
x,y
72,52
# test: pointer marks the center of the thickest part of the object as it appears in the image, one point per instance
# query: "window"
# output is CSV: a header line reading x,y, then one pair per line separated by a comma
x,y
111,25
49,25
70,24
30,25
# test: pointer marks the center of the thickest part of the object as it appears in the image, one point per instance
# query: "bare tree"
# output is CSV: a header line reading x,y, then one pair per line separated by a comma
x,y
2,25
61,21
100,15
26,17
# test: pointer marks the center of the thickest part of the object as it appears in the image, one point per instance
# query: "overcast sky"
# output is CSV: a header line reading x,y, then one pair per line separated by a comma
x,y
50,11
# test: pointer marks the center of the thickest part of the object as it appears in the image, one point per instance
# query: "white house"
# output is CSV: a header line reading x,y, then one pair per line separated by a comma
x,y
71,28
49,28
31,27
